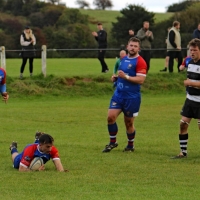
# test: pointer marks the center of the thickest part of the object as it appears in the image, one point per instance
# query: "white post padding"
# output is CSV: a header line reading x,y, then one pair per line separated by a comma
x,y
3,57
44,58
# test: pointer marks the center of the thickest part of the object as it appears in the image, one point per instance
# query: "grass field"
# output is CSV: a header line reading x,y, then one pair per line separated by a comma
x,y
73,67
79,127
109,16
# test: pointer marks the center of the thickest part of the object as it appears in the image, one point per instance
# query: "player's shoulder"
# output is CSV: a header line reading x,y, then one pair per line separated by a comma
x,y
2,70
32,146
140,59
54,152
54,149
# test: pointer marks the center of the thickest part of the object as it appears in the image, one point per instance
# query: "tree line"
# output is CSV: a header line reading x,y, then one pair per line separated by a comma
x,y
60,27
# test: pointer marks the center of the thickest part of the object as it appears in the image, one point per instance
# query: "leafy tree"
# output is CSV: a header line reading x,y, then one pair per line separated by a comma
x,y
82,4
103,4
71,16
132,17
54,1
188,19
2,4
15,7
177,7
51,14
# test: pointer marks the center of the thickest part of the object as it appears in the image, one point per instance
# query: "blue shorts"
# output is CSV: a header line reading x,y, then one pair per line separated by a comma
x,y
130,107
17,161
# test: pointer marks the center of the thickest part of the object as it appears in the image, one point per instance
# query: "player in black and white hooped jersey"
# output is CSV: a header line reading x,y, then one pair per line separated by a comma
x,y
191,107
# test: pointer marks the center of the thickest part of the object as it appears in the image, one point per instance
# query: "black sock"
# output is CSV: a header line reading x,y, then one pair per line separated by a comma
x,y
183,140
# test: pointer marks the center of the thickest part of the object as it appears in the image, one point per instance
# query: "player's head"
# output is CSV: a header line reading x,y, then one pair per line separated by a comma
x,y
146,25
99,26
27,29
176,24
45,143
194,47
122,53
133,46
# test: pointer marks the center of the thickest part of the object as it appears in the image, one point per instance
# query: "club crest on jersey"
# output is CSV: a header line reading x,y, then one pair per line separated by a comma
x,y
114,103
27,158
129,66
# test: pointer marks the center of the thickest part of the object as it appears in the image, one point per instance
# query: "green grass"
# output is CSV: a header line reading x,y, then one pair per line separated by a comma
x,y
80,132
83,77
76,118
73,67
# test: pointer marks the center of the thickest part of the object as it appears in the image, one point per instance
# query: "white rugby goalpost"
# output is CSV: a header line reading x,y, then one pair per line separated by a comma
x,y
43,58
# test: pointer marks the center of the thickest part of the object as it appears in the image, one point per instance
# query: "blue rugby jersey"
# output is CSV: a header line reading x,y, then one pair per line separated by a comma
x,y
132,67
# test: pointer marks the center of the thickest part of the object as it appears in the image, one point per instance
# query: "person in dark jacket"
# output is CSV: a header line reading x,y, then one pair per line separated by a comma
x,y
27,41
146,38
196,33
101,38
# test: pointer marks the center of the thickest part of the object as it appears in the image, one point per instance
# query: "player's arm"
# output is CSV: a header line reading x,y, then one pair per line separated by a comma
x,y
4,93
56,160
191,83
26,169
58,165
139,79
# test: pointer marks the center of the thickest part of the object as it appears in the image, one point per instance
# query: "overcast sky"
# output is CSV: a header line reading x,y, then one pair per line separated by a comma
x,y
150,5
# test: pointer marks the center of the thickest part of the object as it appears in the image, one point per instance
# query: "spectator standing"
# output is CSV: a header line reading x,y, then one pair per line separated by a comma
x,y
101,38
122,54
167,56
196,33
27,41
174,46
146,38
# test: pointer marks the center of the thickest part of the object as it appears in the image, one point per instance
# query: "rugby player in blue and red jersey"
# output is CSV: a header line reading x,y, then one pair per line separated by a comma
x,y
127,97
185,63
3,85
43,148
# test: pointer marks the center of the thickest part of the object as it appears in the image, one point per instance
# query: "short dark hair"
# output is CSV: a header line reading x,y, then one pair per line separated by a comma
x,y
134,39
99,23
46,139
175,23
195,43
145,22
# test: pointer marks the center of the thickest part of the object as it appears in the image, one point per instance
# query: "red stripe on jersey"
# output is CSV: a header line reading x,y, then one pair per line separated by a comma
x,y
141,67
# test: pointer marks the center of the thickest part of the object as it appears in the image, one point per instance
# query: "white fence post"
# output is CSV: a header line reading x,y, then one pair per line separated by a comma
x,y
3,57
44,58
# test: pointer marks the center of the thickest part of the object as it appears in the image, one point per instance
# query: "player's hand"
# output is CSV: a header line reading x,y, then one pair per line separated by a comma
x,y
5,97
150,33
114,78
121,74
94,33
41,168
182,67
187,82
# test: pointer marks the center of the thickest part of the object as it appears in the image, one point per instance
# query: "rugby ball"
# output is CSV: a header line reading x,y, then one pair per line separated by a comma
x,y
36,163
